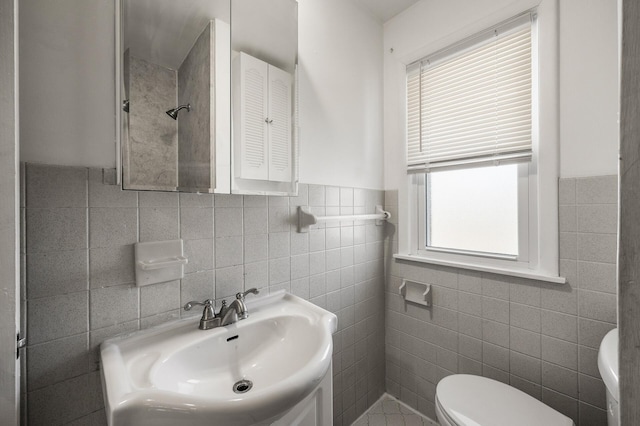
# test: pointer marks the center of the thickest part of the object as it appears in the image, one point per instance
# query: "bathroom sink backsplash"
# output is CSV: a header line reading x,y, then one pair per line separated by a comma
x,y
77,254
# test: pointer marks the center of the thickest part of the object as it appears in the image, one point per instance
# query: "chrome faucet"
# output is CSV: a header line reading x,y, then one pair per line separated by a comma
x,y
227,315
209,318
237,310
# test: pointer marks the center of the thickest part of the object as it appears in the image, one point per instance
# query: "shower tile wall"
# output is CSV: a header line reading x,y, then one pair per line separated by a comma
x,y
541,338
153,139
78,251
196,88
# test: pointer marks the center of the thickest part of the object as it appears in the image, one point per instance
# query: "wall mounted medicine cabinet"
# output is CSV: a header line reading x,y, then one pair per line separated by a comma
x,y
183,117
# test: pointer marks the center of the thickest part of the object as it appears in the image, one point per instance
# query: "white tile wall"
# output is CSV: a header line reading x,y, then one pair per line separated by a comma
x,y
541,338
78,257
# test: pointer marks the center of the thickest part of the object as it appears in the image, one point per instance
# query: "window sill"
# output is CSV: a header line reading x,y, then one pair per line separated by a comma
x,y
492,269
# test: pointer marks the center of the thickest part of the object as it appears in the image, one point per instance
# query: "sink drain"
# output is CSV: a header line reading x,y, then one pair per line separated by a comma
x,y
242,386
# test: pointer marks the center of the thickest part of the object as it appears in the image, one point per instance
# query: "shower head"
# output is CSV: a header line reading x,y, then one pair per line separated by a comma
x,y
173,113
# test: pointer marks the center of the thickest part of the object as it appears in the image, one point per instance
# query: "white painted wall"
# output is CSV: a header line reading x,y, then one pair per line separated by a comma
x,y
340,94
67,88
67,82
588,83
589,89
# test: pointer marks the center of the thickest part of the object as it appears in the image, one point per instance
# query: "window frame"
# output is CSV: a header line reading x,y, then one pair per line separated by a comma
x,y
526,218
543,256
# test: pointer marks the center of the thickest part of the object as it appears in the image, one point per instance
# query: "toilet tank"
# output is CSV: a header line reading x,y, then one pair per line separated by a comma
x,y
608,367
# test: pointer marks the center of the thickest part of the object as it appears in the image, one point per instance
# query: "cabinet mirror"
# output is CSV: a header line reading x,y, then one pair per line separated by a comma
x,y
175,92
194,77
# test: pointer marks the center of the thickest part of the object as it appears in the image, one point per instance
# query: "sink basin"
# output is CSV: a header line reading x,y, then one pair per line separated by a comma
x,y
178,374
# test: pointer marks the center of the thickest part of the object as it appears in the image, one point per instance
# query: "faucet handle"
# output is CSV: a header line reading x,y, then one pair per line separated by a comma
x,y
242,295
223,309
209,303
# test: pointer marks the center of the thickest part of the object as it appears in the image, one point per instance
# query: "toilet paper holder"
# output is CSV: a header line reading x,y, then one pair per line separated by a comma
x,y
416,292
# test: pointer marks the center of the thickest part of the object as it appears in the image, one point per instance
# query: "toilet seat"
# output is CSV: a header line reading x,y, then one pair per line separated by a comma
x,y
466,400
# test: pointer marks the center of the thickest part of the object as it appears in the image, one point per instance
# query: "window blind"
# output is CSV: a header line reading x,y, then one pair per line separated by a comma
x,y
472,103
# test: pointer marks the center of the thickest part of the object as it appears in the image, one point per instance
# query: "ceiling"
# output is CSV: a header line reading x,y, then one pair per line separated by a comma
x,y
386,9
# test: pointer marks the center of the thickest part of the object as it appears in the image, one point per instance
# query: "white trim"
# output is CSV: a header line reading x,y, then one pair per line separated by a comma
x,y
483,268
472,253
527,212
546,184
470,162
420,218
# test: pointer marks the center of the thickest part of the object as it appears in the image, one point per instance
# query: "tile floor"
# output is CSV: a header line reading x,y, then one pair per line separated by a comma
x,y
388,411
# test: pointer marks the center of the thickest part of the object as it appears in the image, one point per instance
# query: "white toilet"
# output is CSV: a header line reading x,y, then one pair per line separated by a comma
x,y
608,367
466,400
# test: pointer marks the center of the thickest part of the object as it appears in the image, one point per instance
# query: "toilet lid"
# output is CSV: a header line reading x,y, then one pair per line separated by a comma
x,y
478,401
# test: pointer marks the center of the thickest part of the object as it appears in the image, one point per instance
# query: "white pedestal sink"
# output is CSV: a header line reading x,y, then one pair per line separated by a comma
x,y
176,374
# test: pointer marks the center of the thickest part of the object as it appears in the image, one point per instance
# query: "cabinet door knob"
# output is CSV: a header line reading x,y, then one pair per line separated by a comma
x,y
266,120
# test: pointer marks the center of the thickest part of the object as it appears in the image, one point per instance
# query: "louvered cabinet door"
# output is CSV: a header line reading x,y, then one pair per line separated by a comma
x,y
279,128
254,154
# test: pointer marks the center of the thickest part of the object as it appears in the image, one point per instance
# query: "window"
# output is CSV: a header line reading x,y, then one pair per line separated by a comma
x,y
476,210
472,148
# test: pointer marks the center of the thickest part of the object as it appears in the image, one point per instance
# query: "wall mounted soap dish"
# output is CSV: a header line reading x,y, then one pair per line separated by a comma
x,y
159,261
